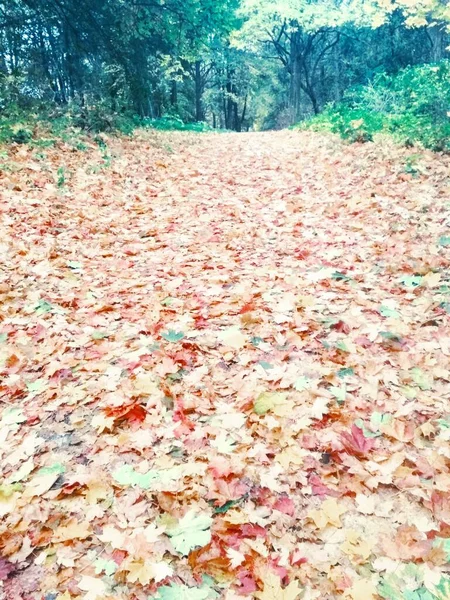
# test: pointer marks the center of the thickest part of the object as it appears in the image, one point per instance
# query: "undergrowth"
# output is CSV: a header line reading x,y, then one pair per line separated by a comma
x,y
44,128
412,106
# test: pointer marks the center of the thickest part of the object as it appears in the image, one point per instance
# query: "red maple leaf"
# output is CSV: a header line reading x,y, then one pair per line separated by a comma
x,y
355,443
6,568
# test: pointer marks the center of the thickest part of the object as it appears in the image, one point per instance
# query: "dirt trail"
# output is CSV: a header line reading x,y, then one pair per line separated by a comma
x,y
224,370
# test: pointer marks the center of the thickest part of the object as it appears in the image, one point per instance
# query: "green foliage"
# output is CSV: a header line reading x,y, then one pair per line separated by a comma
x,y
413,106
193,530
176,591
175,124
61,182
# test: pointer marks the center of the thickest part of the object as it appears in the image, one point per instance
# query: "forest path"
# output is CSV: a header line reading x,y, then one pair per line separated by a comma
x,y
225,356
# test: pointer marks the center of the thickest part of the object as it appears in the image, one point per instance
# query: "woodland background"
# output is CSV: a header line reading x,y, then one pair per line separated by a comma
x,y
227,64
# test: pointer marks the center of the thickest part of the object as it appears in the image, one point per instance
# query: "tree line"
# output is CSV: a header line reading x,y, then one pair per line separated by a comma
x,y
235,64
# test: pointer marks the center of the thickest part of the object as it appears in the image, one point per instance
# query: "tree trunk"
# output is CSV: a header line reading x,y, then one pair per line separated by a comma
x,y
174,94
295,83
436,33
199,89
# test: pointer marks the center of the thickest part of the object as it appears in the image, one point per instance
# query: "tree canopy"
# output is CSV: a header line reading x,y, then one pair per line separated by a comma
x,y
234,64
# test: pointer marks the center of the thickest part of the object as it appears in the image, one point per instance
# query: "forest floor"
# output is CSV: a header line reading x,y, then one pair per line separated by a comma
x,y
224,367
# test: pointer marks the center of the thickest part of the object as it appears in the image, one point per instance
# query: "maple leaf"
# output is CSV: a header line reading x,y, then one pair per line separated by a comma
x,y
96,588
192,531
273,590
329,513
363,589
6,568
126,475
233,338
151,421
173,336
145,571
272,401
183,592
356,443
72,531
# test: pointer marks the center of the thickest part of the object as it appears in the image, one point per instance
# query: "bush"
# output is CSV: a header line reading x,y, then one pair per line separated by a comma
x,y
170,123
69,123
413,106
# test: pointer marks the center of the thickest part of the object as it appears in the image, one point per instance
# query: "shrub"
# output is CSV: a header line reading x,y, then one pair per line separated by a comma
x,y
413,106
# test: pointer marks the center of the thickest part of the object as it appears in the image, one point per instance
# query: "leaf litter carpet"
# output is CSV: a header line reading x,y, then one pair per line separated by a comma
x,y
225,370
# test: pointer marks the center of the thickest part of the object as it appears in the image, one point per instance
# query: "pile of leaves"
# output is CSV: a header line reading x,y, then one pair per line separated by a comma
x,y
224,370
413,106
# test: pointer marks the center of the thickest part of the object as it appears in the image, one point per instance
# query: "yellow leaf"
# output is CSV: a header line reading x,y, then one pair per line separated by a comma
x,y
101,423
146,384
72,531
97,491
364,589
145,572
276,402
328,514
139,571
40,484
112,536
431,280
274,591
365,504
233,338
95,588
354,546
290,455
8,502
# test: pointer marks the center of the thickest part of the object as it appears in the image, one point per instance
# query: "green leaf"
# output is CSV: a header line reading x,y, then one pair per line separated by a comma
x,y
267,401
109,567
386,311
255,341
377,420
43,307
388,335
3,337
265,365
341,345
218,510
7,490
178,591
167,301
173,336
126,475
56,469
339,392
99,335
35,387
421,379
74,264
419,594
444,241
345,373
13,416
191,532
302,383
367,433
409,392
411,280
338,276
